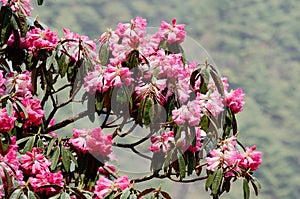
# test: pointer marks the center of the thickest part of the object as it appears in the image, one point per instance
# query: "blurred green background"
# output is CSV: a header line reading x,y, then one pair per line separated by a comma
x,y
255,43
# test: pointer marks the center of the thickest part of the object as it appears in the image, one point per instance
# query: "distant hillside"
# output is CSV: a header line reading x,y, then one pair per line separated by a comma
x,y
256,43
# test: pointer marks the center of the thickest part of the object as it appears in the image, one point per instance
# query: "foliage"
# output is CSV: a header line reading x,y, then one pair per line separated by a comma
x,y
129,78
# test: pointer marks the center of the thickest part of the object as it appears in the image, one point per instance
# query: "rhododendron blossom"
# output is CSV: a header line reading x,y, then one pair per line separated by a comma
x,y
105,186
251,159
34,111
172,32
20,84
19,5
93,141
7,122
35,162
37,39
162,142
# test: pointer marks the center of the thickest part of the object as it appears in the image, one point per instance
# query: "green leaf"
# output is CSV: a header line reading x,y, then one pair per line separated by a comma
x,y
65,158
165,195
140,111
64,195
55,157
15,194
125,193
55,196
145,192
29,144
5,23
167,161
9,108
191,162
72,158
246,189
22,23
133,197
217,181
104,54
8,179
210,179
62,65
31,195
20,105
148,112
182,168
256,185
49,148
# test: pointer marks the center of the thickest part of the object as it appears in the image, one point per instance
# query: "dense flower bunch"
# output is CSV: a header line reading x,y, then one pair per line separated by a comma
x,y
184,107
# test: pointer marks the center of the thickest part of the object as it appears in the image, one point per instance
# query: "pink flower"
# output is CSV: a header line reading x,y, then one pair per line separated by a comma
x,y
172,32
46,178
190,113
7,122
78,45
22,5
9,161
251,159
94,81
94,141
2,83
19,83
104,186
198,137
235,100
99,144
137,27
162,142
37,39
213,102
116,76
35,162
34,110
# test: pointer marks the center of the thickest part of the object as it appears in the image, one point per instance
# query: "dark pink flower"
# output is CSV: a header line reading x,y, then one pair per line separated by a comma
x,y
7,122
34,110
251,159
235,100
37,39
104,186
116,76
35,162
46,178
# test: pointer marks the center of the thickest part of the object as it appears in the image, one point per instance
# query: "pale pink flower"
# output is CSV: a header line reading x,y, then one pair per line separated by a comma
x,y
213,102
94,81
172,32
34,110
78,46
7,122
104,186
37,39
137,27
19,83
99,144
93,141
163,142
250,159
19,5
34,162
116,76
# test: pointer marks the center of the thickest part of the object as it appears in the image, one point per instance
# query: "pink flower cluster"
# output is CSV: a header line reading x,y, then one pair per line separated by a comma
x,y
36,165
163,142
93,141
19,5
231,160
234,98
76,46
20,84
7,122
37,39
9,162
105,186
34,110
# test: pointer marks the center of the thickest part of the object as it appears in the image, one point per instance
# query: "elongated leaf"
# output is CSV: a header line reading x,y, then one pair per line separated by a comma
x,y
64,195
125,193
49,148
22,23
16,193
246,189
29,144
217,181
5,21
182,168
20,105
191,162
72,158
65,158
148,112
9,108
31,195
55,157
165,195
104,54
145,192
8,179
256,185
